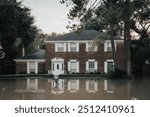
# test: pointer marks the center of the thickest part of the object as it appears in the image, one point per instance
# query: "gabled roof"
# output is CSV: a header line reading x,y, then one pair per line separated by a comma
x,y
83,35
37,55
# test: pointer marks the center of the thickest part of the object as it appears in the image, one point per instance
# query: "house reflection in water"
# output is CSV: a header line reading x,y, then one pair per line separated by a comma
x,y
73,86
57,86
30,89
43,88
91,86
109,87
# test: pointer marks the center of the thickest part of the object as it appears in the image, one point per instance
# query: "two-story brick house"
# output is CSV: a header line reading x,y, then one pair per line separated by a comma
x,y
76,53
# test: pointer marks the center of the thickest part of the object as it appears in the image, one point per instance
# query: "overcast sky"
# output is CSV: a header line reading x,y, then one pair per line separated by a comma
x,y
50,15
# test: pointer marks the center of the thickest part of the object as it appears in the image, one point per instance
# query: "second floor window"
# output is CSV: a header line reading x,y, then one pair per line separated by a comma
x,y
90,47
60,47
73,47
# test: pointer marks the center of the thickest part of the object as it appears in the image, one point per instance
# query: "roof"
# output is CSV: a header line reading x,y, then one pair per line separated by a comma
x,y
83,35
37,55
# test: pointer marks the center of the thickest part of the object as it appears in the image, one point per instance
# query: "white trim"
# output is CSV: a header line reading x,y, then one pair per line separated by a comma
x,y
78,41
69,66
28,69
78,47
77,66
105,64
69,47
87,47
56,47
29,60
36,67
68,41
64,47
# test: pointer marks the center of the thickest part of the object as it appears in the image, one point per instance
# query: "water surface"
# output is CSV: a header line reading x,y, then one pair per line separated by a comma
x,y
84,89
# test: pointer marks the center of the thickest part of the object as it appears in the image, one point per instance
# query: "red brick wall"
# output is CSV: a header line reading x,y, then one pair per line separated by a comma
x,y
82,56
21,67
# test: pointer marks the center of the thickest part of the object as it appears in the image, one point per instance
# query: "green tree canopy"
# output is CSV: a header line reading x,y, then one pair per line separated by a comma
x,y
15,22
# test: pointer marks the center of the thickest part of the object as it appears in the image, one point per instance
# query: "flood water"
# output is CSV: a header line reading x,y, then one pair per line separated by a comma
x,y
75,89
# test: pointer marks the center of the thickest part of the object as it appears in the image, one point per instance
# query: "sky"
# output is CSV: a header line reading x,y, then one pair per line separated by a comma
x,y
50,15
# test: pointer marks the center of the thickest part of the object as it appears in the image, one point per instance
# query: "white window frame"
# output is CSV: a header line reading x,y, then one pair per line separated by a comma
x,y
91,82
60,45
77,66
90,47
105,65
70,47
95,65
73,86
106,46
35,67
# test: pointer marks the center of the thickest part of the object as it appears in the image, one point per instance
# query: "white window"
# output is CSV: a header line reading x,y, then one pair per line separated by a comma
x,y
73,66
73,86
91,66
90,47
109,87
32,84
60,47
91,86
73,47
108,66
32,67
108,47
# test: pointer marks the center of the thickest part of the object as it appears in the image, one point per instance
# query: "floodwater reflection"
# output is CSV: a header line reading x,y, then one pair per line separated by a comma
x,y
66,89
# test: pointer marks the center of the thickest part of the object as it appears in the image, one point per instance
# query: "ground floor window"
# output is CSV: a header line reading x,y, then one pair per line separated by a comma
x,y
91,66
73,66
32,67
108,66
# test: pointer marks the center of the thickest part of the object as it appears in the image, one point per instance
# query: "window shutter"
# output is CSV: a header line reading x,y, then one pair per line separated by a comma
x,y
69,86
96,86
115,46
68,66
56,47
87,47
28,69
96,66
77,67
87,66
36,67
64,47
77,48
69,47
87,85
105,85
77,84
105,46
105,66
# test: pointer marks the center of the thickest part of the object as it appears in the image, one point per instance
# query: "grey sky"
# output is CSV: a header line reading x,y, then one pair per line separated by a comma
x,y
50,15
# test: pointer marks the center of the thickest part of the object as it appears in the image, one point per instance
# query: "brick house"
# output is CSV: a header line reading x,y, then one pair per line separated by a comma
x,y
75,53
32,63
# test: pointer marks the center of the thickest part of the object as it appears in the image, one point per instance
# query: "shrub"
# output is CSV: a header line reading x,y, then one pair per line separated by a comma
x,y
117,73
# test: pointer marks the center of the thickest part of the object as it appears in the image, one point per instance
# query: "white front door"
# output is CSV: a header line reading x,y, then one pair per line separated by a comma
x,y
57,66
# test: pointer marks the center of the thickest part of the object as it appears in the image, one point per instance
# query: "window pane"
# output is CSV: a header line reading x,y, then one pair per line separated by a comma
x,y
110,66
73,47
91,66
32,66
60,47
109,48
91,48
73,66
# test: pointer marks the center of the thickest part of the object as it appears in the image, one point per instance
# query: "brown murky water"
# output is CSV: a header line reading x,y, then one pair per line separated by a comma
x,y
74,89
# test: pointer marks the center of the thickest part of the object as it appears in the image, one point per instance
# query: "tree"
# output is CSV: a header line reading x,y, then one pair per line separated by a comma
x,y
15,22
113,14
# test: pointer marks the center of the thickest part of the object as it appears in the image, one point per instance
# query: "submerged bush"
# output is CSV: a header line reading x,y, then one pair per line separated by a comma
x,y
117,73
